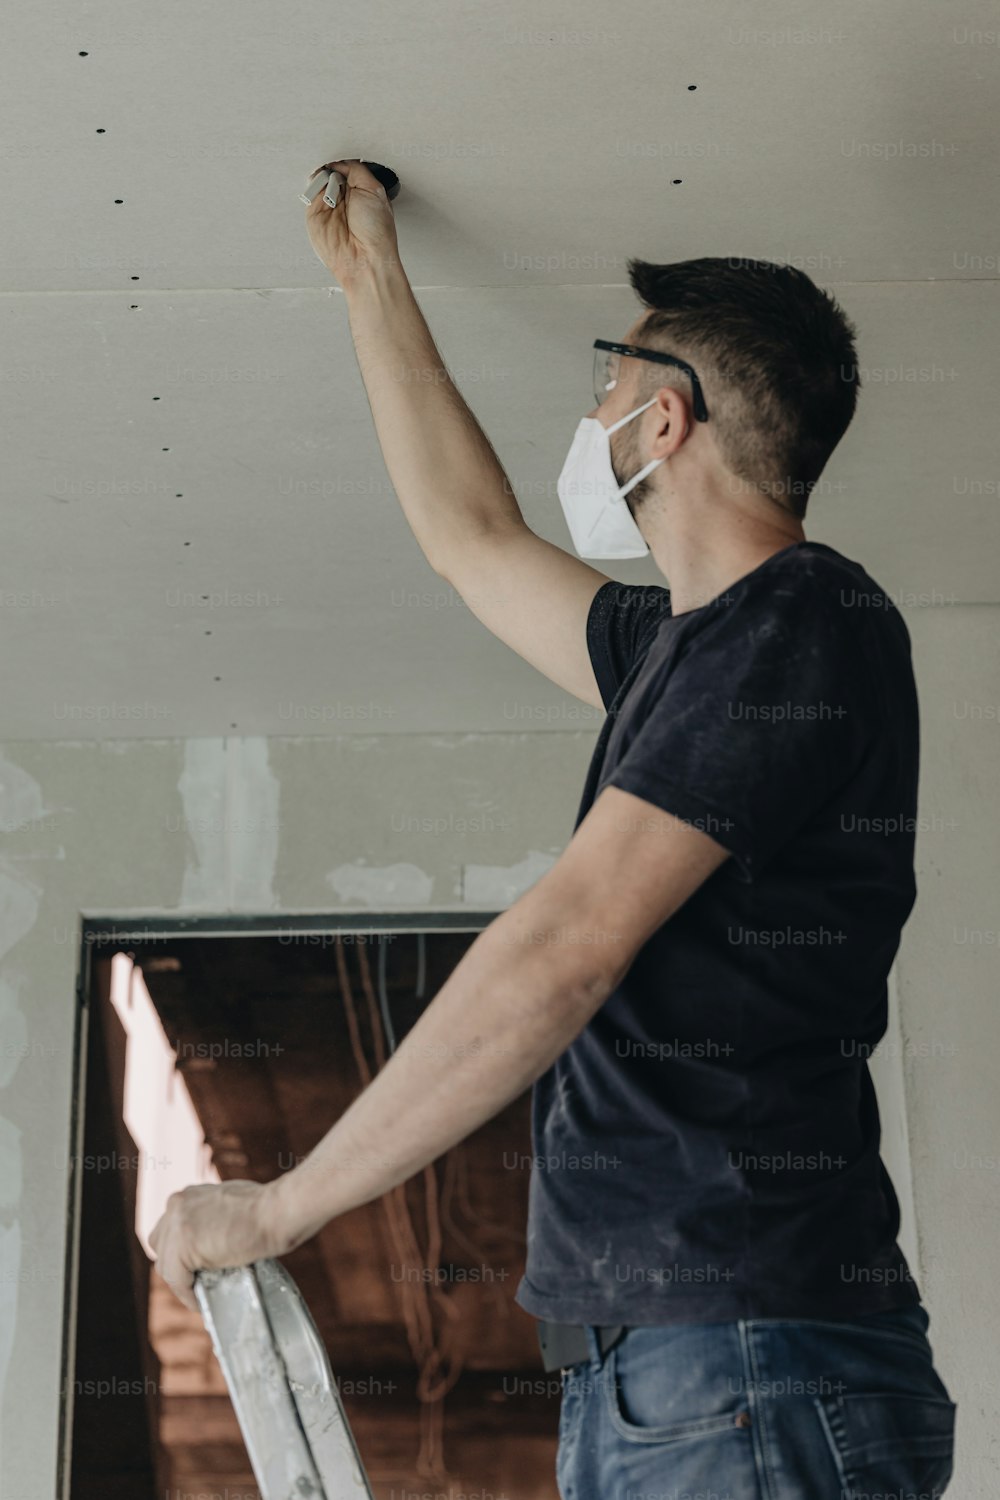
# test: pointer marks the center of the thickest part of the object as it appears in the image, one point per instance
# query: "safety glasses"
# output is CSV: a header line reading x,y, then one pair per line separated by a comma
x,y
607,362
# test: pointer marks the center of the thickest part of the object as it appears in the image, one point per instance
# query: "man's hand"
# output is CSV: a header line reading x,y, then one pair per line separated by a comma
x,y
229,1224
360,232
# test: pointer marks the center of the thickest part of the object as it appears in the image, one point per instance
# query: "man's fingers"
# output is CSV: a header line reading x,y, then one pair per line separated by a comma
x,y
358,176
181,1283
157,1234
185,1295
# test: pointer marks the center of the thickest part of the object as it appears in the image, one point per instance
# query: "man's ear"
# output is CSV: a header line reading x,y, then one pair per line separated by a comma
x,y
672,410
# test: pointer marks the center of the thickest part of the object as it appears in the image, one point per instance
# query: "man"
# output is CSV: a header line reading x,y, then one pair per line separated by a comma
x,y
712,1238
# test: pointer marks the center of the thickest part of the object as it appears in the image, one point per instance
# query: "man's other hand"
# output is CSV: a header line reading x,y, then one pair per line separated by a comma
x,y
214,1226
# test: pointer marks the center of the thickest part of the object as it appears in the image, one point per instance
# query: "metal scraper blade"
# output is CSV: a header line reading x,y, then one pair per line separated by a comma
x,y
282,1388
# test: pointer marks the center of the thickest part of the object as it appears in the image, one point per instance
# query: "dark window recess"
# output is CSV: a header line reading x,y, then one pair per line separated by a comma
x,y
439,1370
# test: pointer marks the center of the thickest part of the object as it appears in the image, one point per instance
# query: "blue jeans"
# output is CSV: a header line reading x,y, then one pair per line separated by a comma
x,y
769,1409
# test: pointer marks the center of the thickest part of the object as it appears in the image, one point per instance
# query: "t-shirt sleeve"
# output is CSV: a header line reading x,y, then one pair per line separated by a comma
x,y
766,714
622,618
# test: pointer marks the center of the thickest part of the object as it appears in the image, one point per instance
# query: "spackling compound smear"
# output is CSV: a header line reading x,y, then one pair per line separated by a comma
x,y
202,787
385,886
494,887
254,794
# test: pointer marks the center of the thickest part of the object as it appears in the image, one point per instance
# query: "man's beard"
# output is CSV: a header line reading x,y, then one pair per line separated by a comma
x,y
626,461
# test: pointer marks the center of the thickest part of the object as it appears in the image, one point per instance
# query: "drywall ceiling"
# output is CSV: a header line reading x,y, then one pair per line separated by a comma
x,y
199,536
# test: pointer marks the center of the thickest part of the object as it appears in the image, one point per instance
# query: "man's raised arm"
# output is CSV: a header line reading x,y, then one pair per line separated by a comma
x,y
450,483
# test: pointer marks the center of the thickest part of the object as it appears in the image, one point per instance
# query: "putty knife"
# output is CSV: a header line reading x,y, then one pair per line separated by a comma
x,y
281,1385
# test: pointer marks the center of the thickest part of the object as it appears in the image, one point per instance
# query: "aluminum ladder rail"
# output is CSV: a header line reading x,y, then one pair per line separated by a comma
x,y
282,1388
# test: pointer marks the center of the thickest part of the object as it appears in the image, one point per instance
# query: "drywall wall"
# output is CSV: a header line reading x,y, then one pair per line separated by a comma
x,y
357,824
948,974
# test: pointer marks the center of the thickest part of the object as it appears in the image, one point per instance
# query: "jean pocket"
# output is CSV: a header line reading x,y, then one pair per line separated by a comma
x,y
886,1443
631,1412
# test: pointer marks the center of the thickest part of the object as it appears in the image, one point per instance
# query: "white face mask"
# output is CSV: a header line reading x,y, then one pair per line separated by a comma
x,y
599,521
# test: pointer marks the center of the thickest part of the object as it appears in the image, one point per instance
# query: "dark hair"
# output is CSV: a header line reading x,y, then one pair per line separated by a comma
x,y
775,356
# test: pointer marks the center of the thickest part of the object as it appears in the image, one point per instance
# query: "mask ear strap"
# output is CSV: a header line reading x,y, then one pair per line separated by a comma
x,y
622,420
650,466
641,475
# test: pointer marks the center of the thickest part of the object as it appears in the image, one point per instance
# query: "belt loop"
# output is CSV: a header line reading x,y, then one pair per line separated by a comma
x,y
593,1344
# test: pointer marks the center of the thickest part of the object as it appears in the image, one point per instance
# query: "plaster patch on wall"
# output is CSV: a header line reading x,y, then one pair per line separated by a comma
x,y
253,830
202,786
19,902
497,886
10,1164
18,911
382,885
13,1033
453,741
20,798
10,1280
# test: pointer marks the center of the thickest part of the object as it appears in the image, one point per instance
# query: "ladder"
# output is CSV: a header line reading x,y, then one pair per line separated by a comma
x,y
282,1388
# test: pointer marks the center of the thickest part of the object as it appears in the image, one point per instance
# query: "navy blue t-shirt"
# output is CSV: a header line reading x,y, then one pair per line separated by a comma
x,y
708,1147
